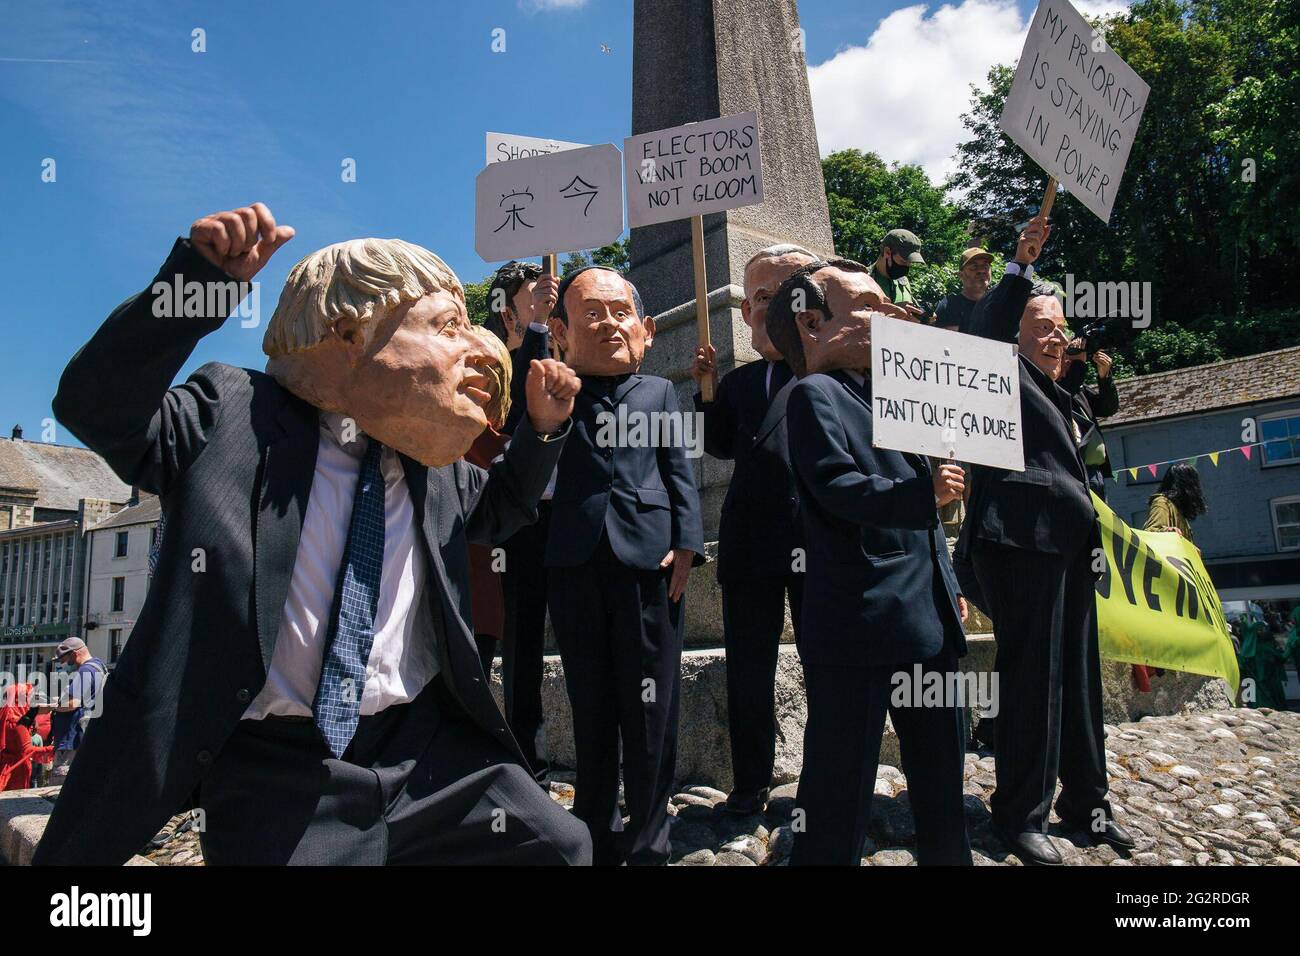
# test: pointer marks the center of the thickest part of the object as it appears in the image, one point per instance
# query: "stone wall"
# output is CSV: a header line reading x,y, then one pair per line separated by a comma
x,y
703,754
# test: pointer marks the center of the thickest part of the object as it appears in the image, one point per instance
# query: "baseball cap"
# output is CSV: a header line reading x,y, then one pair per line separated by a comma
x,y
900,240
70,645
974,252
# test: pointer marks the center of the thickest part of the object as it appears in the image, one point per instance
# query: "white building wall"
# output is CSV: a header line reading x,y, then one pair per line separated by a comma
x,y
103,568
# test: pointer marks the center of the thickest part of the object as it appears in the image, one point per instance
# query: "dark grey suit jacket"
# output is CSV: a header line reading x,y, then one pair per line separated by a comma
x,y
879,588
232,454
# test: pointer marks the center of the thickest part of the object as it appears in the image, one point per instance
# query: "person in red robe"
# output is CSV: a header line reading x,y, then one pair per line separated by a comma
x,y
18,714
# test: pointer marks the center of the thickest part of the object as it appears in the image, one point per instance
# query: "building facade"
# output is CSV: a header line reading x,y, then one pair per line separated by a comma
x,y
49,495
117,576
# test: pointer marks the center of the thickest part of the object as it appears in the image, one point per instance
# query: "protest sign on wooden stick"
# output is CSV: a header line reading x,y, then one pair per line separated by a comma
x,y
688,172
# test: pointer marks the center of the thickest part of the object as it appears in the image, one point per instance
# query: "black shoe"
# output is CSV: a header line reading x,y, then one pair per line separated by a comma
x,y
1032,847
1111,833
745,804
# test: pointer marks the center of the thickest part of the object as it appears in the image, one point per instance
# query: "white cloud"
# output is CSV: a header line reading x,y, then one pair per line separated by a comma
x,y
902,94
545,6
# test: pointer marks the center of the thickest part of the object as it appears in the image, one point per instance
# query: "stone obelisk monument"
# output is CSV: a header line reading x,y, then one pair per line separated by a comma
x,y
696,60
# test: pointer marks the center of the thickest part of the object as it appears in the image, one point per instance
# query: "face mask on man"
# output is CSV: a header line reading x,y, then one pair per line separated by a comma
x,y
896,270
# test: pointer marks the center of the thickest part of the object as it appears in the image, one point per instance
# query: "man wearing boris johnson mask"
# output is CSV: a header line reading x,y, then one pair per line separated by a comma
x,y
304,669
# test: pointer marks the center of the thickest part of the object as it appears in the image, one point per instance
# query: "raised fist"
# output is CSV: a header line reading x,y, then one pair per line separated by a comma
x,y
239,241
550,390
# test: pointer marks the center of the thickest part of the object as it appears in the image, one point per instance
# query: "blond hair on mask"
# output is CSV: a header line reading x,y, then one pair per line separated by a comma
x,y
360,279
499,372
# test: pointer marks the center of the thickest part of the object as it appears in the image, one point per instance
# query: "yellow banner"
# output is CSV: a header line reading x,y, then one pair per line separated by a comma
x,y
1156,604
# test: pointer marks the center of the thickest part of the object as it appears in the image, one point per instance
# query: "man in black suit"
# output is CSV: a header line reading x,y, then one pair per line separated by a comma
x,y
625,532
758,532
1030,539
882,617
511,298
304,669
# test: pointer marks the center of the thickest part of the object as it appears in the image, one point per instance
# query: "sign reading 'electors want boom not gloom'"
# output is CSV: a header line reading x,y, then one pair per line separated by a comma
x,y
693,170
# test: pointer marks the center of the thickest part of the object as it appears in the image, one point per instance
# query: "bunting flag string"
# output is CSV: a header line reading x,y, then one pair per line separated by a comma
x,y
1154,467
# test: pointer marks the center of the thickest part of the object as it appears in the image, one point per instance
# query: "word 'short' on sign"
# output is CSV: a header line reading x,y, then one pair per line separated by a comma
x,y
547,204
507,147
945,394
693,170
1074,105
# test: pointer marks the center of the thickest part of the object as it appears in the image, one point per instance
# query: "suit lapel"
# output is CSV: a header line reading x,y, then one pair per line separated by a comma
x,y
288,466
630,383
863,394
775,413
426,508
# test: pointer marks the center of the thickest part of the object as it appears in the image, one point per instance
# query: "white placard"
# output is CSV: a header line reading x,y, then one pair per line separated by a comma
x,y
1074,105
693,170
505,147
549,204
945,394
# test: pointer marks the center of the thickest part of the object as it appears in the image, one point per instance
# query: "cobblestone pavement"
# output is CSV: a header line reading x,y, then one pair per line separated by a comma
x,y
1205,789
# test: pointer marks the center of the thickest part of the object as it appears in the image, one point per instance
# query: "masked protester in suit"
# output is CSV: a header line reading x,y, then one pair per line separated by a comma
x,y
520,313
625,532
304,667
758,533
1029,539
882,617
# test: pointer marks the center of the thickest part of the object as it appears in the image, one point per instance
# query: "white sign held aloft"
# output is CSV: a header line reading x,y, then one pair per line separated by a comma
x,y
945,394
547,204
1074,105
505,147
693,170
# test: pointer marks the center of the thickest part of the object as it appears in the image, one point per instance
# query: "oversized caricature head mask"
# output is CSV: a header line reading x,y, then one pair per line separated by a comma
x,y
376,330
599,322
820,317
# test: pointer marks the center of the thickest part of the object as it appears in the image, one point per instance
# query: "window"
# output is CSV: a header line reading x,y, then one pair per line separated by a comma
x,y
119,594
1286,523
119,547
114,644
1281,437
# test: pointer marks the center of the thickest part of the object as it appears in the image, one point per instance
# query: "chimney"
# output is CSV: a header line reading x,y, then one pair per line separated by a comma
x,y
17,434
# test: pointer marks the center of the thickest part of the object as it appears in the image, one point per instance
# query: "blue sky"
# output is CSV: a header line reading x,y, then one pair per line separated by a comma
x,y
148,135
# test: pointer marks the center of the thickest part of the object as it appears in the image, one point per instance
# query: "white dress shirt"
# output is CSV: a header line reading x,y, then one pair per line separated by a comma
x,y
404,656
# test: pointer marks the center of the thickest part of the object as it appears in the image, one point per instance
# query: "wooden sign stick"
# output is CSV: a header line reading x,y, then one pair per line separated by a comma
x,y
551,267
701,298
1045,210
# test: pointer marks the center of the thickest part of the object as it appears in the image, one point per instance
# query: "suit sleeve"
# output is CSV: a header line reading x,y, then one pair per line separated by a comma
x,y
499,501
719,420
114,394
536,345
683,497
997,314
820,455
1104,399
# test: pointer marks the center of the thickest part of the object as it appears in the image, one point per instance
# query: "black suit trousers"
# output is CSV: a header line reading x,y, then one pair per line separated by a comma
x,y
525,637
1044,612
621,642
419,784
846,718
753,617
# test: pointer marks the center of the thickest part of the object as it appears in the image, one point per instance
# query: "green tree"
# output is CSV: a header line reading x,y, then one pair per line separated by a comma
x,y
1218,248
868,198
476,304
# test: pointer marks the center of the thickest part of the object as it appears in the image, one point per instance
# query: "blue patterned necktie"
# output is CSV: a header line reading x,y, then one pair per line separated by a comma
x,y
351,632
